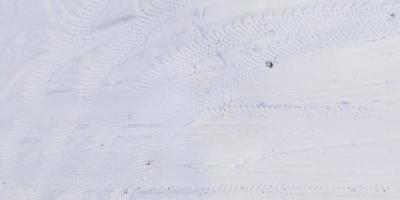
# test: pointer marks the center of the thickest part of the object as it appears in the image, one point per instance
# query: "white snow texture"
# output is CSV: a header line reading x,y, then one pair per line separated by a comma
x,y
199,99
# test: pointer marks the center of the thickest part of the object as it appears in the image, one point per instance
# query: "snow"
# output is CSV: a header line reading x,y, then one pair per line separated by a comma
x,y
199,99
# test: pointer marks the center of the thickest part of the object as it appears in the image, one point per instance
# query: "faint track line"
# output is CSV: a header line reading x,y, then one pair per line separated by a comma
x,y
247,28
100,62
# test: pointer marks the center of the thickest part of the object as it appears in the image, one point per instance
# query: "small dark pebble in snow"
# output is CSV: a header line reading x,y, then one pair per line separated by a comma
x,y
393,15
148,162
269,64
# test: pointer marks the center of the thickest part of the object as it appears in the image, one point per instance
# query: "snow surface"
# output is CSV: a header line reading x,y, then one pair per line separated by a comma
x,y
199,99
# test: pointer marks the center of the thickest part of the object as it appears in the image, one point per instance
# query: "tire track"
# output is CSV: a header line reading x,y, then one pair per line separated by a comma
x,y
291,111
99,63
360,22
295,191
135,155
250,62
248,28
71,34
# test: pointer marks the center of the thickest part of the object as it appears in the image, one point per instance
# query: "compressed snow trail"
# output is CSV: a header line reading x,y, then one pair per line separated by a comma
x,y
324,17
189,99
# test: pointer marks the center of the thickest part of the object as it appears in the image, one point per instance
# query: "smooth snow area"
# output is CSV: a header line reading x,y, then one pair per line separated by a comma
x,y
199,99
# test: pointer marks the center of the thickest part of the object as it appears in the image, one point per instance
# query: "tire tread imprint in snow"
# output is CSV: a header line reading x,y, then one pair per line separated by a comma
x,y
250,27
99,63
